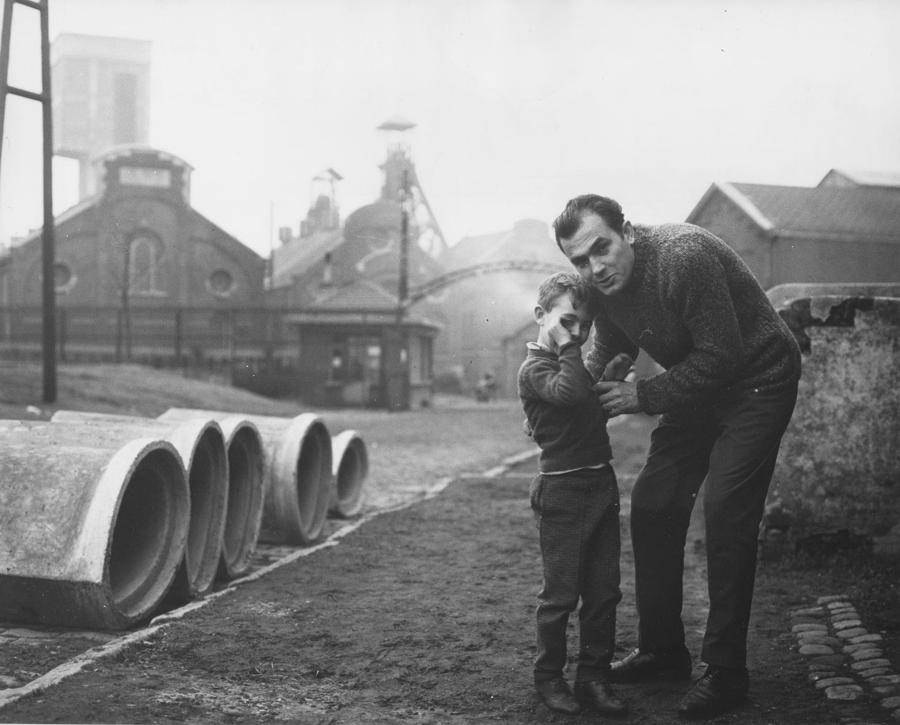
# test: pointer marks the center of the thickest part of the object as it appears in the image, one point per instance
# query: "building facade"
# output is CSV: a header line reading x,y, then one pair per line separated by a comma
x,y
840,231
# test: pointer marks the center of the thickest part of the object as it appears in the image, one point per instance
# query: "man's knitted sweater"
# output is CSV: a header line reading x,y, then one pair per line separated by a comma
x,y
564,414
695,307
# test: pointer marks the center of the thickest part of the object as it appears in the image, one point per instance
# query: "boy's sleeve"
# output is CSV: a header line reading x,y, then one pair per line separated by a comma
x,y
569,385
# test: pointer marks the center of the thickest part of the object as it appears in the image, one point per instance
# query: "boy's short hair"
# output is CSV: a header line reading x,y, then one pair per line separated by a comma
x,y
560,283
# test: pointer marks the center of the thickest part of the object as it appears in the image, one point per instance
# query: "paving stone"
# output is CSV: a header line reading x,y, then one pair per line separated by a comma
x,y
852,632
846,624
827,660
831,681
810,627
876,671
873,637
831,598
837,606
858,647
867,654
844,692
886,689
809,612
869,664
821,638
891,702
844,616
885,680
808,650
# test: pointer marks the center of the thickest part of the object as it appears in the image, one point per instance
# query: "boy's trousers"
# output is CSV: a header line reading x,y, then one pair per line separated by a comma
x,y
733,446
578,523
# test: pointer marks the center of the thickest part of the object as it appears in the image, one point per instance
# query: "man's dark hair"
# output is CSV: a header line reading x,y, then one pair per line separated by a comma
x,y
609,210
561,283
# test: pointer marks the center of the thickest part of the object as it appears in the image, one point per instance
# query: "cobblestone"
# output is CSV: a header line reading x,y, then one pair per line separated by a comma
x,y
860,668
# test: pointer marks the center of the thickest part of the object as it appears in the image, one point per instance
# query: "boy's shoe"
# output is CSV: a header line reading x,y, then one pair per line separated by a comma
x,y
557,696
598,695
641,666
719,689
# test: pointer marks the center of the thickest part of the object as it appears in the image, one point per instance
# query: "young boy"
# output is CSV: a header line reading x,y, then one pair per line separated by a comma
x,y
575,498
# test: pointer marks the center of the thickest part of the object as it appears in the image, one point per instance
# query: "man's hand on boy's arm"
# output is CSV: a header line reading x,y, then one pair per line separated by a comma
x,y
618,398
616,395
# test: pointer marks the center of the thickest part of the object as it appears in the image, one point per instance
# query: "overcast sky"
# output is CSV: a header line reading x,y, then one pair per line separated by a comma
x,y
519,104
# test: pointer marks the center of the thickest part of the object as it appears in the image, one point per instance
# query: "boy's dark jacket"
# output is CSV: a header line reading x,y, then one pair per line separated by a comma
x,y
565,415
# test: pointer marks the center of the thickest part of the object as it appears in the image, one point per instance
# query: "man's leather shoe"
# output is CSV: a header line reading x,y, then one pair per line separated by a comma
x,y
557,696
719,689
598,695
640,666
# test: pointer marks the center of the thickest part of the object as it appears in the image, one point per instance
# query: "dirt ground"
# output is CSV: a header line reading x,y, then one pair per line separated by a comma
x,y
425,614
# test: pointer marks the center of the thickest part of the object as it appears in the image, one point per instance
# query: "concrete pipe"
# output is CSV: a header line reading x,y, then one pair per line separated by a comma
x,y
297,454
90,537
245,495
350,468
201,444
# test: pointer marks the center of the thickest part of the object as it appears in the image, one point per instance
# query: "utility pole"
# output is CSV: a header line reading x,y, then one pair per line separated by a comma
x,y
48,286
403,279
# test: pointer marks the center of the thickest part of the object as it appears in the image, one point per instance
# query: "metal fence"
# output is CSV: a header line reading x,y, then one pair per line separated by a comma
x,y
168,335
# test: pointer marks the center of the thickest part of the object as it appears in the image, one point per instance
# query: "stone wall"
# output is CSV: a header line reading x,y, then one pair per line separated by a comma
x,y
839,464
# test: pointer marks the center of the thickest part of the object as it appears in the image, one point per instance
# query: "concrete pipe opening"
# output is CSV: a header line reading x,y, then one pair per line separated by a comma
x,y
245,498
151,514
97,532
350,461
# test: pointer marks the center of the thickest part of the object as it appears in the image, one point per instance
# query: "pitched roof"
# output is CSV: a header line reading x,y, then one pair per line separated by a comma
x,y
359,294
848,177
298,255
849,212
529,239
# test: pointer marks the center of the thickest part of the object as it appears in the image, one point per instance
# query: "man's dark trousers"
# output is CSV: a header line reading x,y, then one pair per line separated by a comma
x,y
733,445
578,523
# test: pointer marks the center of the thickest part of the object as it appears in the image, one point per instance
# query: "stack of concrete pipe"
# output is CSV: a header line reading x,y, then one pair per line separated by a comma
x,y
92,529
108,518
224,461
298,473
201,444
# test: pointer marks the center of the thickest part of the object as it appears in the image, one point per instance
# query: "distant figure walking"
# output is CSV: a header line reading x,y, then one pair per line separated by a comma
x,y
485,387
726,396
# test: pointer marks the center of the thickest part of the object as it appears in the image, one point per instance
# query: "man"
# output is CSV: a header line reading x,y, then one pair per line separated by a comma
x,y
725,398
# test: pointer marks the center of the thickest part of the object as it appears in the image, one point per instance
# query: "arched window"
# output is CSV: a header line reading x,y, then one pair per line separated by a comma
x,y
143,276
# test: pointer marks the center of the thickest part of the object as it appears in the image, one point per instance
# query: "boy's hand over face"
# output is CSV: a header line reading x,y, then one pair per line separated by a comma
x,y
560,334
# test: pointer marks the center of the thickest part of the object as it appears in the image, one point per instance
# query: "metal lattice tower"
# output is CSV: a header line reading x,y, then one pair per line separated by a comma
x,y
48,289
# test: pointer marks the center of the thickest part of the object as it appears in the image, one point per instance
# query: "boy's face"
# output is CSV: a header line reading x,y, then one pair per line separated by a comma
x,y
562,323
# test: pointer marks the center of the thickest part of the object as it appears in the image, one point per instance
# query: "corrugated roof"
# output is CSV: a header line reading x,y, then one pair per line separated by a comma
x,y
848,211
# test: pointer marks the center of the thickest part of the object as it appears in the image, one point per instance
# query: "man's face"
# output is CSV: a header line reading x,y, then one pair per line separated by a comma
x,y
601,256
